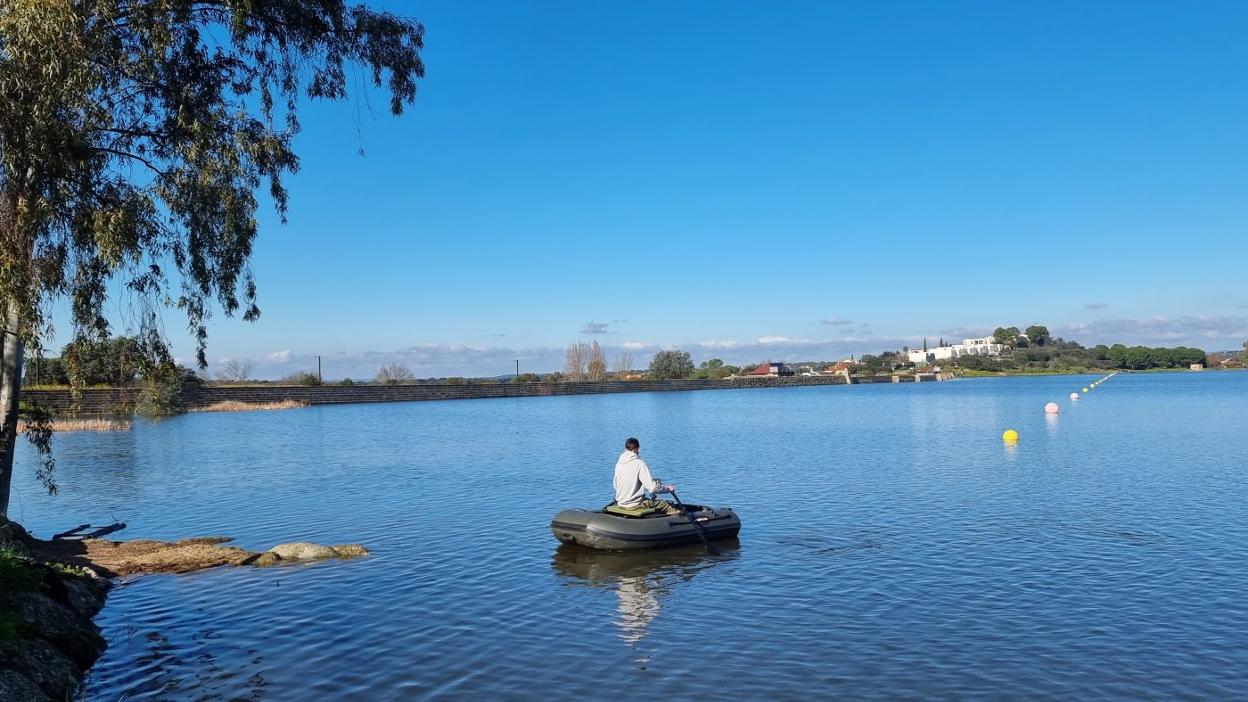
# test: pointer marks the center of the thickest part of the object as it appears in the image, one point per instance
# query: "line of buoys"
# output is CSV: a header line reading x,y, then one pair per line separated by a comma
x,y
1052,408
1092,385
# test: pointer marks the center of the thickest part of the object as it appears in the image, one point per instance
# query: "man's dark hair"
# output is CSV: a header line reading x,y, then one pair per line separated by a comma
x,y
632,444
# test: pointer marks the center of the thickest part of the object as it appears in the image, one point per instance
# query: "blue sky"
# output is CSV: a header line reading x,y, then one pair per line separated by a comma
x,y
761,181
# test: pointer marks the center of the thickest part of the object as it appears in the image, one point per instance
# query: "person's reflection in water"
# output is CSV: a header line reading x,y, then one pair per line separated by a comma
x,y
638,607
641,580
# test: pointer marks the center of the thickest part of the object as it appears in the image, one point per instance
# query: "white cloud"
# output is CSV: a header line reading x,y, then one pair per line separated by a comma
x,y
445,360
835,320
1212,330
1096,305
595,328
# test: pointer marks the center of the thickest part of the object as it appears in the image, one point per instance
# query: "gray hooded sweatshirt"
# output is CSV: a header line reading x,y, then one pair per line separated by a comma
x,y
633,480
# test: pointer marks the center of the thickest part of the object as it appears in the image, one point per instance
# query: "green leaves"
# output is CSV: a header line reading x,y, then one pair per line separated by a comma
x,y
135,134
671,365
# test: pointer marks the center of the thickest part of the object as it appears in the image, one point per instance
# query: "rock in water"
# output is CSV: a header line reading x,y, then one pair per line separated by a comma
x,y
301,551
349,551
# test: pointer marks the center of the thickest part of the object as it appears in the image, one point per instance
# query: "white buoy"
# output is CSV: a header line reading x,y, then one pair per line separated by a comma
x,y
1074,396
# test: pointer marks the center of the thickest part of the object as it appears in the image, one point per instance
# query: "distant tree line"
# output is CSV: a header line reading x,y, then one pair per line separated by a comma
x,y
714,369
1035,335
118,362
115,362
882,364
1035,349
1057,354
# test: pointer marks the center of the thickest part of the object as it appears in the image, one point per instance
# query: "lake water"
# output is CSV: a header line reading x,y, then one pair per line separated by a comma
x,y
892,547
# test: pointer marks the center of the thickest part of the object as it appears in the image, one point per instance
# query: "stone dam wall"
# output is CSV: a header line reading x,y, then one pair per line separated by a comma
x,y
111,401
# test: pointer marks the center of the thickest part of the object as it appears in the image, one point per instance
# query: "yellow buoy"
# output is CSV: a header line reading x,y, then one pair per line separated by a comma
x,y
1010,436
1085,389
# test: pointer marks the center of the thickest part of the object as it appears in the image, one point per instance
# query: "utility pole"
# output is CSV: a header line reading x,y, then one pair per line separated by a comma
x,y
319,379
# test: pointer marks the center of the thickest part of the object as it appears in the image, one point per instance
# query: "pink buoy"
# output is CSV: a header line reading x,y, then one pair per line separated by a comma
x,y
1052,408
1074,396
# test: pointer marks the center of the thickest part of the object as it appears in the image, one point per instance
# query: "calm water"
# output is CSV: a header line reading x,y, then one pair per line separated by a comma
x,y
891,547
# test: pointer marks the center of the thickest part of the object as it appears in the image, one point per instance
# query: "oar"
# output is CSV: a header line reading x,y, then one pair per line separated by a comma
x,y
700,529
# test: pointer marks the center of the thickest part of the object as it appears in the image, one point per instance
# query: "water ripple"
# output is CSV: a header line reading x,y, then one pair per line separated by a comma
x,y
891,548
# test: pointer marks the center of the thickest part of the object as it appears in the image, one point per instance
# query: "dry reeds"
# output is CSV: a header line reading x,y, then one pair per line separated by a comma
x,y
98,424
236,406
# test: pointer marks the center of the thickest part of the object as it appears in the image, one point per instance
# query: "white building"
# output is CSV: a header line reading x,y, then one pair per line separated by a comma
x,y
969,347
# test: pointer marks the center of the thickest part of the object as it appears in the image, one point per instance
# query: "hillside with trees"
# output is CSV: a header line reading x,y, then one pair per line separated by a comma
x,y
1035,350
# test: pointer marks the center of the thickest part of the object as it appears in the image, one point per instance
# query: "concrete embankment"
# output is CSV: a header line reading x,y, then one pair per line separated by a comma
x,y
100,401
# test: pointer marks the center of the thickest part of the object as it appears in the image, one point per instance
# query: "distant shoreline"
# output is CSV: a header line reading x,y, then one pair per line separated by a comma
x,y
1088,371
122,401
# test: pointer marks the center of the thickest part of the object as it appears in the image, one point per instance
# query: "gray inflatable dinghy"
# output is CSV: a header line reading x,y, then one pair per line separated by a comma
x,y
609,531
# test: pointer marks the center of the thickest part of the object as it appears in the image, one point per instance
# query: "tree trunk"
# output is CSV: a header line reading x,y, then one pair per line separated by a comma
x,y
10,392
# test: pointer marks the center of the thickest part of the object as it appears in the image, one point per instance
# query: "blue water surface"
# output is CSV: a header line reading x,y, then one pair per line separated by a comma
x,y
892,546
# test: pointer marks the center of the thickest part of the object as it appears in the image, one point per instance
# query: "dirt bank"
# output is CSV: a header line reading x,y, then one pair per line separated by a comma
x,y
47,637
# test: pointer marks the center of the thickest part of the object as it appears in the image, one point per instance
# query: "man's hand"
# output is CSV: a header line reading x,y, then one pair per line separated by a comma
x,y
669,488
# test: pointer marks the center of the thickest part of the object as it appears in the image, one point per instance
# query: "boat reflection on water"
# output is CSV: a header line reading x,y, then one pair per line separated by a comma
x,y
641,579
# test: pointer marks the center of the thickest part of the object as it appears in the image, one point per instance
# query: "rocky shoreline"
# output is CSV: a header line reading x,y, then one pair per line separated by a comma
x,y
50,592
47,637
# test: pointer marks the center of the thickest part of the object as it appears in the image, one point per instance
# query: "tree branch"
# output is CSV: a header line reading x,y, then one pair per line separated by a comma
x,y
136,157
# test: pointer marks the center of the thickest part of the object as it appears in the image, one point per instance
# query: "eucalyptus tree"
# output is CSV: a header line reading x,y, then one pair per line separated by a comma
x,y
135,136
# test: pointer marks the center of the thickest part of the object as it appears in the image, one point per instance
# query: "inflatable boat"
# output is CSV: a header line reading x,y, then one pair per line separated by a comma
x,y
609,530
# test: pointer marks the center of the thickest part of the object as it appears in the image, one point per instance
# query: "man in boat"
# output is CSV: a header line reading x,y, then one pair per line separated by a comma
x,y
633,480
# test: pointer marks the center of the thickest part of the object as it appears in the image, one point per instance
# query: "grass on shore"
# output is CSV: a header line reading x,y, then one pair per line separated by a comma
x,y
235,406
97,424
17,574
20,573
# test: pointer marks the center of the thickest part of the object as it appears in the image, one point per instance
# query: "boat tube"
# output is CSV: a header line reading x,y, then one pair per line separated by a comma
x,y
609,531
